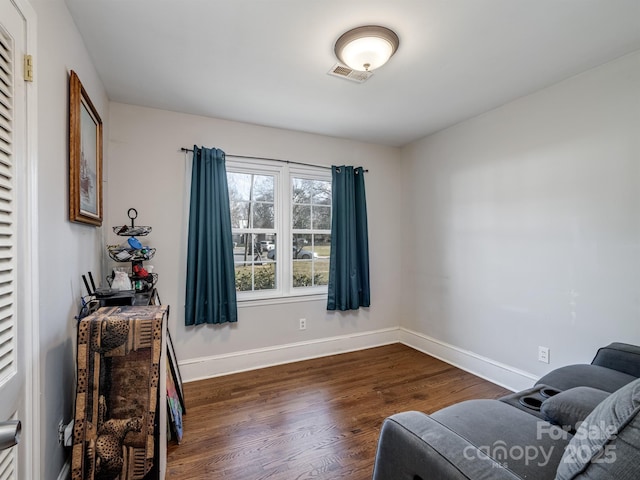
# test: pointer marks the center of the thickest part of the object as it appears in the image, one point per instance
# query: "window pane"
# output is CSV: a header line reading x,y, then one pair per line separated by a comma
x,y
321,271
301,217
251,199
255,270
265,243
302,273
239,185
321,218
263,215
311,260
321,192
265,277
244,278
322,245
302,190
243,250
301,246
263,188
302,261
239,214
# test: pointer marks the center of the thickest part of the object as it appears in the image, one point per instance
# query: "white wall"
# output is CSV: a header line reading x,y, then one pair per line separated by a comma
x,y
522,226
147,171
66,250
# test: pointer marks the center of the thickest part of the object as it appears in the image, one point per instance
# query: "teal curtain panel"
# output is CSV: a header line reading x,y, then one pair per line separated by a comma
x,y
349,263
211,290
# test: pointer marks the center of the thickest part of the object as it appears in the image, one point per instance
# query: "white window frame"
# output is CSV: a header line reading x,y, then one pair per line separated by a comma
x,y
283,174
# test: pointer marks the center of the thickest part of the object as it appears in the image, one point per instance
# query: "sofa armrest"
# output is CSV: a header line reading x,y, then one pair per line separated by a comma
x,y
622,357
414,446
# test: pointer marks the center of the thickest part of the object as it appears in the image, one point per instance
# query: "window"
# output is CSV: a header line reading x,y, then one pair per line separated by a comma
x,y
279,208
311,230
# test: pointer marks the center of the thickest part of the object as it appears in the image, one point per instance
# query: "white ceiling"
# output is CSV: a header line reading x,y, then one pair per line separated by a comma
x,y
266,61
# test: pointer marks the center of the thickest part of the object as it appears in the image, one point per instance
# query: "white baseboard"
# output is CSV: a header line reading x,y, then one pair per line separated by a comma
x,y
483,367
491,370
65,473
217,365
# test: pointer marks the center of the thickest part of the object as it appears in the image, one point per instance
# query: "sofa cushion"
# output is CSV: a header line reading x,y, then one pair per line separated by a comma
x,y
572,406
607,443
518,441
583,375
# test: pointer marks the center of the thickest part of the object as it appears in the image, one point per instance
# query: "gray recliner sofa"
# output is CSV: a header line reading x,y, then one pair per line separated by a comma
x,y
577,422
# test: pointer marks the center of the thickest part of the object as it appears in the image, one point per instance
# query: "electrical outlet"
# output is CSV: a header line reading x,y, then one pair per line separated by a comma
x,y
543,354
303,324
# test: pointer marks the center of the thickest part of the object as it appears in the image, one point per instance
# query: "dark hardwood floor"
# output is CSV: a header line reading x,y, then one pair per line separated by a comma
x,y
315,419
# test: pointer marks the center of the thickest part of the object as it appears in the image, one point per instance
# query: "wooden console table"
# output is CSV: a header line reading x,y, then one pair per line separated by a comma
x,y
120,411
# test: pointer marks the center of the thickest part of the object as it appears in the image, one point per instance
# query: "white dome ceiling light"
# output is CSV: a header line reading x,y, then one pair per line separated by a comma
x,y
366,48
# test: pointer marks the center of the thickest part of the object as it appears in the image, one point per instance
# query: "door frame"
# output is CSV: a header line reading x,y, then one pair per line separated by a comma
x,y
29,271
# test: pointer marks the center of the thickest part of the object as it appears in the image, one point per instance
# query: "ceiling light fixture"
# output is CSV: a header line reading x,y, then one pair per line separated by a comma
x,y
366,48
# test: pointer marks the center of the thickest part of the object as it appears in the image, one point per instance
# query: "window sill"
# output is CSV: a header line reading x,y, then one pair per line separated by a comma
x,y
259,302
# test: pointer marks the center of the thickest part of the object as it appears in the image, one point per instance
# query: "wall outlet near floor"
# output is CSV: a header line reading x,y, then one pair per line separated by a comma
x,y
303,324
543,354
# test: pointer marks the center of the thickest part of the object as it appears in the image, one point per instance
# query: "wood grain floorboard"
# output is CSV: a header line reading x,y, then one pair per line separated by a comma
x,y
316,419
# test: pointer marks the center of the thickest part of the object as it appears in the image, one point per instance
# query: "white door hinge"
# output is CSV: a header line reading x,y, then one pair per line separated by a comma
x,y
28,68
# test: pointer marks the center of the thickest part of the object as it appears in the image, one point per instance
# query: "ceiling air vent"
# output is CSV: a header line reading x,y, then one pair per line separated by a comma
x,y
339,70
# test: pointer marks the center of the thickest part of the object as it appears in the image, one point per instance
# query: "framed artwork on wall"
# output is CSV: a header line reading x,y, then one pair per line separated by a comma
x,y
85,156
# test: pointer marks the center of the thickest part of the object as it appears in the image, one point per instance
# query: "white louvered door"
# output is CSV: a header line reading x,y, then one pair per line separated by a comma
x,y
12,150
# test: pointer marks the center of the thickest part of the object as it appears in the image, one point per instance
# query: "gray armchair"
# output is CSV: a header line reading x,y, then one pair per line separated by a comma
x,y
580,432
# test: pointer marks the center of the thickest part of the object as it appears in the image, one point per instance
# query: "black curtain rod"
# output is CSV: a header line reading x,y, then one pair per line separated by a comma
x,y
183,149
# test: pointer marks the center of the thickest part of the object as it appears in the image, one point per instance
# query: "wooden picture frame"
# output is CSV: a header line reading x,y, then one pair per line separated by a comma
x,y
85,156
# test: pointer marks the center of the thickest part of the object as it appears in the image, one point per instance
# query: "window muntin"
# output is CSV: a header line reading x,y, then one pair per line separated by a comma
x,y
279,208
